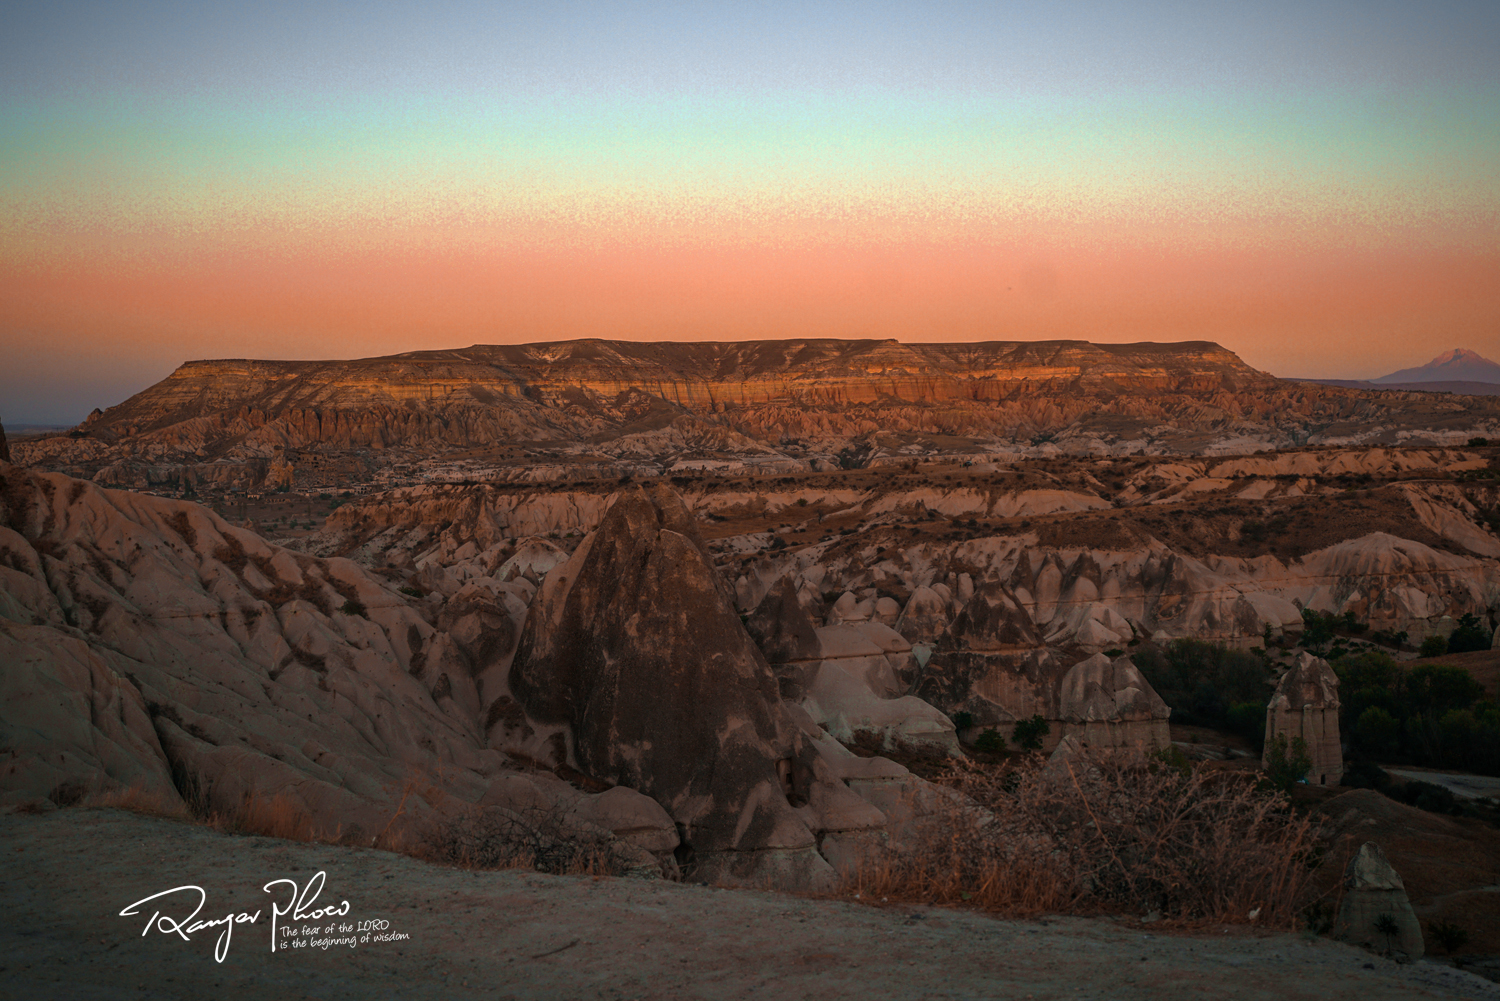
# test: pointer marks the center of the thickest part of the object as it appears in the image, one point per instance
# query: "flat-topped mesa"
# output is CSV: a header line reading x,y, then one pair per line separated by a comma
x,y
701,377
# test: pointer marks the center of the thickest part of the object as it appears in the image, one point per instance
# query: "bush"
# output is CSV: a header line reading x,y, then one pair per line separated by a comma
x,y
354,607
1362,774
1286,763
1434,646
1028,733
542,839
1426,796
962,721
1450,936
1470,635
1248,719
1111,832
1377,733
990,742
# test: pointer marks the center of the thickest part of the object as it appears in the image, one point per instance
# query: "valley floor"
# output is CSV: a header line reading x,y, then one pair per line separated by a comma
x,y
68,874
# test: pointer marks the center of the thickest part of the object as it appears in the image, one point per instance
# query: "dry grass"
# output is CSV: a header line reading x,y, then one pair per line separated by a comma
x,y
278,816
137,800
1107,833
536,839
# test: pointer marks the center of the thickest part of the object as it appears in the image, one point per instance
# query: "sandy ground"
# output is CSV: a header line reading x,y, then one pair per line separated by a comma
x,y
1461,784
498,935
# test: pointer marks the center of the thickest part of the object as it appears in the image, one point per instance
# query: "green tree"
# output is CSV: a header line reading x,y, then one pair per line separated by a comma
x,y
1434,646
1377,733
1471,634
1287,763
992,741
1201,681
1028,733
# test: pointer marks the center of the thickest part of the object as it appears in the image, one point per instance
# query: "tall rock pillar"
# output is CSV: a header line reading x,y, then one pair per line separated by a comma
x,y
1306,705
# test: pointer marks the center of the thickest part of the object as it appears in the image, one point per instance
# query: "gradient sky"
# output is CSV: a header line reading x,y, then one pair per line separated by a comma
x,y
1313,185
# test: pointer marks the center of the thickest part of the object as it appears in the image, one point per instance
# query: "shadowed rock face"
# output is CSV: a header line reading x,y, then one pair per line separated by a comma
x,y
148,645
635,646
785,633
4,447
991,656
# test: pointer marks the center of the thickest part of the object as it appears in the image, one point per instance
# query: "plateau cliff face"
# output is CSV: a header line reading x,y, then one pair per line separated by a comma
x,y
809,404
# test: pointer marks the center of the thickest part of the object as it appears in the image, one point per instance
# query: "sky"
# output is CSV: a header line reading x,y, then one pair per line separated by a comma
x,y
1314,185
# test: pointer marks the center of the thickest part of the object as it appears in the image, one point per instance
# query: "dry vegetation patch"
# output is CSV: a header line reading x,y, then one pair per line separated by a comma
x,y
1107,833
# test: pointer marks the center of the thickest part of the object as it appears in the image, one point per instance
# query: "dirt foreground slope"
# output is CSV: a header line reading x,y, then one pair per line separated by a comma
x,y
68,874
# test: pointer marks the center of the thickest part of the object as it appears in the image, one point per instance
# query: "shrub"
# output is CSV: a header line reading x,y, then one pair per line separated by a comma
x,y
1450,936
1111,832
543,839
1362,774
963,721
1287,763
1434,646
1470,635
1248,719
1377,732
1028,733
1426,796
354,607
990,742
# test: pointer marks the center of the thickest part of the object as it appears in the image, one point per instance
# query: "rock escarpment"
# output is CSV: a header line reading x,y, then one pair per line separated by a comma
x,y
796,404
634,647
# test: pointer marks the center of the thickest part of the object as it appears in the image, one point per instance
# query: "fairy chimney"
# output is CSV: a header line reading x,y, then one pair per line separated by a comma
x,y
1306,705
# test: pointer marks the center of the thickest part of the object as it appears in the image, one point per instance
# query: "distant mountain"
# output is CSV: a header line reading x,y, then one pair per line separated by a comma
x,y
1457,365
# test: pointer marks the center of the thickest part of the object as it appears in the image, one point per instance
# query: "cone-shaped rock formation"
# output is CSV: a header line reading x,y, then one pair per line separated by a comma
x,y
634,645
1306,705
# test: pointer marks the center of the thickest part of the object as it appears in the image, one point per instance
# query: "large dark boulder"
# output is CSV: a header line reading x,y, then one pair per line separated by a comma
x,y
634,646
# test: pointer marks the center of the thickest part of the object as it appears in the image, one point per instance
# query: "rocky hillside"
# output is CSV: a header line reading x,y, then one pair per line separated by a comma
x,y
984,589
152,650
543,410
